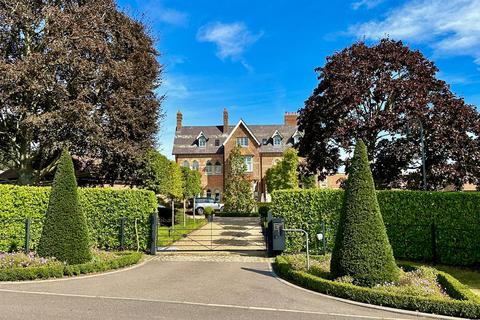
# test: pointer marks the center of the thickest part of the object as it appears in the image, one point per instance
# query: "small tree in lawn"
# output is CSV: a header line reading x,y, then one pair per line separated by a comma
x,y
65,234
238,190
362,249
192,186
284,175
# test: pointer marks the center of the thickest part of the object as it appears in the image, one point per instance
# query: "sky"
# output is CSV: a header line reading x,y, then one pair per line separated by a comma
x,y
257,58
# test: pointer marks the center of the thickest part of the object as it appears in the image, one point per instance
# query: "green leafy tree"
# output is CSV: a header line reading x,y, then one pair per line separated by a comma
x,y
65,234
238,196
76,75
284,174
191,182
161,175
362,249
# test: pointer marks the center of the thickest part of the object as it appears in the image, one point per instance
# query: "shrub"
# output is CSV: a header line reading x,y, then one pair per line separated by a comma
x,y
237,214
103,208
457,308
263,208
408,217
208,211
64,234
361,246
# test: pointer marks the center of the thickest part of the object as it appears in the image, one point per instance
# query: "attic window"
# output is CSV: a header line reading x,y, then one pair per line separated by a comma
x,y
242,141
217,143
296,139
277,141
202,142
264,141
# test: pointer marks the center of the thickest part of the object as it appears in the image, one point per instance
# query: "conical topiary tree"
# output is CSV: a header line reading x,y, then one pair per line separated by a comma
x,y
362,249
65,234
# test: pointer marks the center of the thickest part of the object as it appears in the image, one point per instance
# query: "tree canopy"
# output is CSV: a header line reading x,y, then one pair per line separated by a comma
x,y
192,184
75,75
161,175
284,174
382,94
238,195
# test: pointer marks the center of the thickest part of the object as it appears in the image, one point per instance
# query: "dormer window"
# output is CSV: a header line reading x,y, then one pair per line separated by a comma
x,y
264,141
202,142
277,141
296,137
296,140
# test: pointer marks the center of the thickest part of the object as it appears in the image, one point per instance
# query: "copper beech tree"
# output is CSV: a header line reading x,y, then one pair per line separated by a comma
x,y
76,75
384,94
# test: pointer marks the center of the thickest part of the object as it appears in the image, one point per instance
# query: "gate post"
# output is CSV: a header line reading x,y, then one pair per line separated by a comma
x,y
27,235
122,233
153,234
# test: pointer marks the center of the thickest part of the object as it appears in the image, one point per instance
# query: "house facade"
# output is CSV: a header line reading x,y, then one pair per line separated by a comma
x,y
207,149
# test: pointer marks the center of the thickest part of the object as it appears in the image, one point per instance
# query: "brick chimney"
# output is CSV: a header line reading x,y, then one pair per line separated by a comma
x,y
290,118
179,120
225,120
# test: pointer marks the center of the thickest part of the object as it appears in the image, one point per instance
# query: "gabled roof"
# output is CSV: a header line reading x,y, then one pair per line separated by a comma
x,y
276,133
201,134
241,122
297,133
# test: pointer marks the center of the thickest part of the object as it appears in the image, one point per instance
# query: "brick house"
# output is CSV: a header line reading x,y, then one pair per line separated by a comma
x,y
207,148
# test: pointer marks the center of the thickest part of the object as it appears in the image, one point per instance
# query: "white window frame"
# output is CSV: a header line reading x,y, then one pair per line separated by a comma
x,y
249,163
202,142
218,167
277,141
242,141
195,165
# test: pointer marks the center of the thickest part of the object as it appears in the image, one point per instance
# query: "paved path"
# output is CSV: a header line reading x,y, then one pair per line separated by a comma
x,y
224,233
177,287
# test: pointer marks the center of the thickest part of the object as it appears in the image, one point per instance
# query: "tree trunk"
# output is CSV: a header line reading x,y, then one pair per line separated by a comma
x,y
184,213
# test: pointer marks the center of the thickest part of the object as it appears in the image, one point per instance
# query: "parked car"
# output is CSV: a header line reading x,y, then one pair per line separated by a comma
x,y
202,203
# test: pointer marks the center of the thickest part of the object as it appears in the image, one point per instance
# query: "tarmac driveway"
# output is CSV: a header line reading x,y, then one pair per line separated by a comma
x,y
178,287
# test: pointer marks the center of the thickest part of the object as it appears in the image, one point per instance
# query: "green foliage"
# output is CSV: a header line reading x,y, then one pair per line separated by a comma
x,y
103,208
161,175
238,195
362,249
408,216
208,211
458,308
283,175
58,270
65,234
263,208
191,182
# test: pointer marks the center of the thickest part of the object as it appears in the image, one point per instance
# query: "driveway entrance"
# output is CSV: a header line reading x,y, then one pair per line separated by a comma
x,y
221,234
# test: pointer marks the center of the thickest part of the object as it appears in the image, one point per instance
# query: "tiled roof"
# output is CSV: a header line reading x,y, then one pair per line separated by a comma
x,y
185,141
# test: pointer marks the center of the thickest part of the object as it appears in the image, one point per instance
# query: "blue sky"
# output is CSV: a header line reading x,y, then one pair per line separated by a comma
x,y
257,58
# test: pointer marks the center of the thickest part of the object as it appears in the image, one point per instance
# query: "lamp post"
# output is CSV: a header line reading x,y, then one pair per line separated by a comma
x,y
422,146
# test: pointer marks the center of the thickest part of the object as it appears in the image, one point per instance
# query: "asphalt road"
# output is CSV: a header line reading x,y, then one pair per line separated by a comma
x,y
158,289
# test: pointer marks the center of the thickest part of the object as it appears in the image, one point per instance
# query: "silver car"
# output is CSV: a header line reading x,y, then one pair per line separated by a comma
x,y
202,203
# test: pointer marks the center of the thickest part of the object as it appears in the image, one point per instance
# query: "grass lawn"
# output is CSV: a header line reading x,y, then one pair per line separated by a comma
x,y
165,238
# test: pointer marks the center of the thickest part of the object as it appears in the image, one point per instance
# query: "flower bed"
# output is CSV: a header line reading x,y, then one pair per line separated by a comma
x,y
421,289
19,266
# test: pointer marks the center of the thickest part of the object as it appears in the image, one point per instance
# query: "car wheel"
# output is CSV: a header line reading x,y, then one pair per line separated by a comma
x,y
200,210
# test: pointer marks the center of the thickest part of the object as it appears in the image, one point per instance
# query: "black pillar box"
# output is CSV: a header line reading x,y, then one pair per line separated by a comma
x,y
277,236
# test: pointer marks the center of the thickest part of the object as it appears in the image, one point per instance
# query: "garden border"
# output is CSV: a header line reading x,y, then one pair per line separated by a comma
x,y
365,297
64,272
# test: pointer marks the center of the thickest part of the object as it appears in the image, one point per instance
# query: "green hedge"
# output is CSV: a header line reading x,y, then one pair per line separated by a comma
x,y
408,216
103,208
458,308
236,214
59,270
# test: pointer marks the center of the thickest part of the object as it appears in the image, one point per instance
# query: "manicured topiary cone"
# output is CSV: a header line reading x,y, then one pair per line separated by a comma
x,y
362,249
65,234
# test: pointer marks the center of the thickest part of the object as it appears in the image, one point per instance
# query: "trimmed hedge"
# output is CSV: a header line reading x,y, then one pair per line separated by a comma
x,y
458,308
361,246
59,270
408,217
103,208
65,232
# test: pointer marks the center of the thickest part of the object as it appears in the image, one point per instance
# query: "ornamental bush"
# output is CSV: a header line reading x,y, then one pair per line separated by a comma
x,y
361,246
65,234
